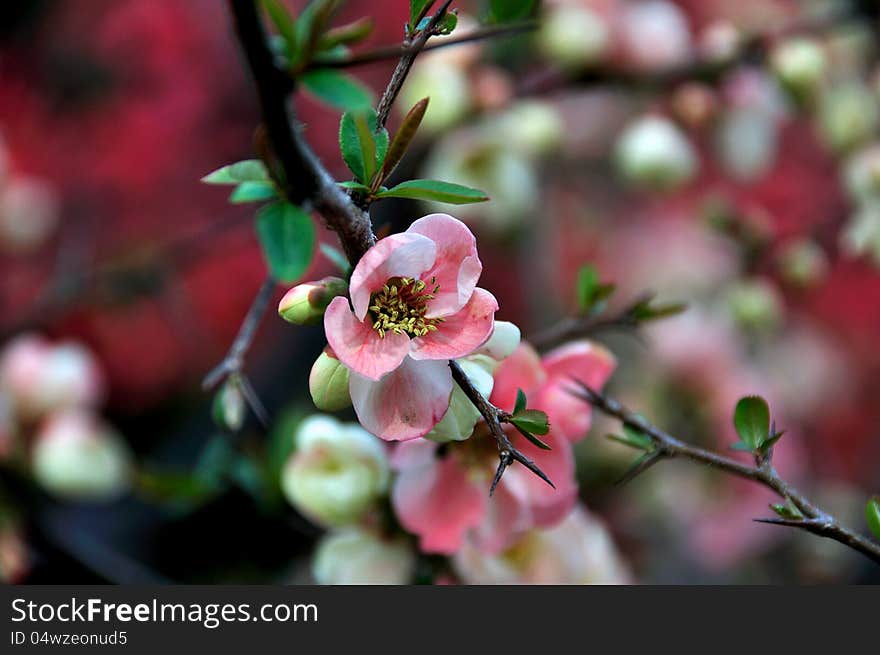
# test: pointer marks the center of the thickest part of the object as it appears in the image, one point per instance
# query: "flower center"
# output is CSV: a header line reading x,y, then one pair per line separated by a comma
x,y
401,305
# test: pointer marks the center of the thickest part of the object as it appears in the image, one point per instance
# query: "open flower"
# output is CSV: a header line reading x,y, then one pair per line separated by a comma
x,y
414,305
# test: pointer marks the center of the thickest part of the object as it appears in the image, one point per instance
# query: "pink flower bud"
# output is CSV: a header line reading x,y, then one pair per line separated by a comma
x,y
29,211
305,303
328,383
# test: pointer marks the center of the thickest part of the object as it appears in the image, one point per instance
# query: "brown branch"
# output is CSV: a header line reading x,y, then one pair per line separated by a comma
x,y
814,519
395,51
494,417
411,50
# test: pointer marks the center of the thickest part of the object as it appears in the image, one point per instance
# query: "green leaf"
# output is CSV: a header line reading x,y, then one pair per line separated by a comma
x,y
363,146
354,186
285,25
336,257
253,191
347,34
532,438
531,420
587,285
310,28
788,510
644,310
872,515
287,236
337,89
503,11
751,418
633,438
521,401
249,170
405,134
454,194
417,11
448,23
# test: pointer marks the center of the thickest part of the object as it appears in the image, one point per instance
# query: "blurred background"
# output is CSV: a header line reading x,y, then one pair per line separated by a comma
x,y
722,153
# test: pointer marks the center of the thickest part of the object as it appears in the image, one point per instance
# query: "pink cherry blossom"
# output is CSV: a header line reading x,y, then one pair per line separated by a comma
x,y
547,381
414,305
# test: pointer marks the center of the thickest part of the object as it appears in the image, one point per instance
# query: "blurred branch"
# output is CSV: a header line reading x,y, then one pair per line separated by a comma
x,y
752,49
410,50
393,52
811,518
494,417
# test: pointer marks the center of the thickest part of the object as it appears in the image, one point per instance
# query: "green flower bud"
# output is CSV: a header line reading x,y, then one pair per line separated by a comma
x,y
756,304
848,115
305,303
654,154
229,406
328,383
574,36
803,263
800,65
357,556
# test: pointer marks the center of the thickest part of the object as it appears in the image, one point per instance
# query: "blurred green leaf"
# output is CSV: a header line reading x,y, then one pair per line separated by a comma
x,y
645,310
521,401
336,257
347,34
633,438
531,420
872,515
454,194
214,462
404,136
249,170
788,510
311,26
287,236
504,11
253,191
285,25
751,418
448,23
337,89
181,490
417,11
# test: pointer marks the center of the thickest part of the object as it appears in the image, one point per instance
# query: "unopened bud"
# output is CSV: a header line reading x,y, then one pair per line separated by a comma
x,y
328,383
756,304
229,406
76,456
803,263
574,36
29,210
305,303
337,472
848,116
800,65
504,340
459,420
862,175
357,556
653,153
861,236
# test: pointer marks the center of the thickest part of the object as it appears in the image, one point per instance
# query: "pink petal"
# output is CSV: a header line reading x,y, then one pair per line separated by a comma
x,y
440,503
522,370
547,505
461,333
456,267
412,454
399,255
507,517
358,346
406,403
570,417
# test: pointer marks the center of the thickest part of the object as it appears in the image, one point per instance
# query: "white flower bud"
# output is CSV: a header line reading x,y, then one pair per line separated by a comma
x,y
446,107
531,128
29,211
861,236
862,174
848,115
756,304
76,456
574,36
459,420
328,383
654,36
337,472
356,556
503,342
800,64
653,153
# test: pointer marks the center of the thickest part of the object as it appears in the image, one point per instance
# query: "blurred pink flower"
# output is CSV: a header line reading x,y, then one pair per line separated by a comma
x,y
415,305
546,382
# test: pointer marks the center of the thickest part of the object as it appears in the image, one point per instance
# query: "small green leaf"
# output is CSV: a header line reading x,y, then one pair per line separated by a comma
x,y
337,89
354,186
363,146
634,439
454,194
872,515
531,420
287,236
253,191
521,401
788,510
417,11
532,438
336,257
645,311
347,34
249,170
751,418
405,134
587,285
448,23
310,28
284,23
503,11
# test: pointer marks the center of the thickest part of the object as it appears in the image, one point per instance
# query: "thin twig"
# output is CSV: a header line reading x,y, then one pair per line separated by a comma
x,y
815,520
411,50
494,417
395,51
233,362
